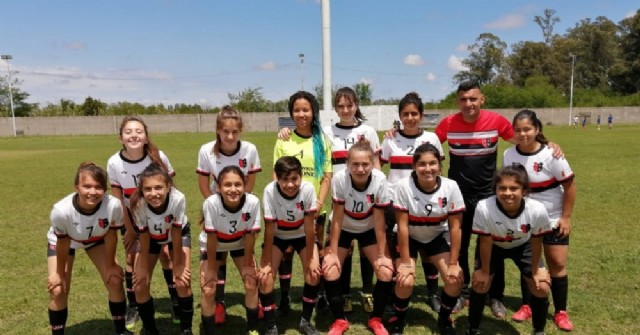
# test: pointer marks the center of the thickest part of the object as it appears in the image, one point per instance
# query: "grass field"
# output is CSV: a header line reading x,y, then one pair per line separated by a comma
x,y
38,171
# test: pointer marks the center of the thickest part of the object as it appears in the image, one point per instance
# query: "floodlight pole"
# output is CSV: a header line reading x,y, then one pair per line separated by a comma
x,y
7,58
573,61
326,55
301,71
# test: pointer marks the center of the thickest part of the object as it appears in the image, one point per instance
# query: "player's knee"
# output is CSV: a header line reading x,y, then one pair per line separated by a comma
x,y
312,279
58,295
332,274
384,273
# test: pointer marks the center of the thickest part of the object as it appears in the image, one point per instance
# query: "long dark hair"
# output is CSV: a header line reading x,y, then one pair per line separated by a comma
x,y
531,115
319,157
411,98
518,172
96,172
150,148
350,95
151,170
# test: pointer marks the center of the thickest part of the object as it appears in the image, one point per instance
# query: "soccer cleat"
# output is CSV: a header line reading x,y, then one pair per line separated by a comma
x,y
220,313
433,302
367,302
338,327
306,328
523,314
446,327
271,331
348,305
131,317
175,312
497,308
284,307
376,326
561,319
462,301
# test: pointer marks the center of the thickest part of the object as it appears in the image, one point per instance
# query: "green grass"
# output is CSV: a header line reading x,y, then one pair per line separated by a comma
x,y
38,171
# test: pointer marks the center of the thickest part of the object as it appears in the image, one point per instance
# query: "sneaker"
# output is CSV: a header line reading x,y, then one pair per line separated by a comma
x,y
306,328
221,313
561,319
348,305
271,331
367,302
131,317
446,327
338,327
175,312
462,301
434,302
497,308
523,314
376,326
284,308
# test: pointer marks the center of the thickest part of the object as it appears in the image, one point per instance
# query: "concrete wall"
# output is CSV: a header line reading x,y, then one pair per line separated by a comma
x,y
379,117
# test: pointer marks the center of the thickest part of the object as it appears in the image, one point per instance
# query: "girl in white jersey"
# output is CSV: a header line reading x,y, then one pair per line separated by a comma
x,y
510,225
290,207
226,150
429,211
86,219
398,152
231,221
159,216
124,167
552,183
360,195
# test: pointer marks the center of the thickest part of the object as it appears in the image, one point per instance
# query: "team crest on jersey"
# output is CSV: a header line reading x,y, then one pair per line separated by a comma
x,y
168,218
370,198
246,216
525,228
537,167
242,163
486,143
442,202
103,223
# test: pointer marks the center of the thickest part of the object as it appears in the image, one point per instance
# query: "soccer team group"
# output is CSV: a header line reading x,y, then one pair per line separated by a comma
x,y
521,212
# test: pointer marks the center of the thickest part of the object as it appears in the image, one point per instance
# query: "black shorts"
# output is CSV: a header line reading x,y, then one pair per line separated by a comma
x,y
296,243
365,239
220,254
155,247
321,219
553,239
521,257
434,247
51,250
389,218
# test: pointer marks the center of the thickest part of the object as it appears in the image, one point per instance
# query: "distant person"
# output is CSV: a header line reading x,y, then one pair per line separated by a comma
x,y
610,121
598,122
584,122
575,121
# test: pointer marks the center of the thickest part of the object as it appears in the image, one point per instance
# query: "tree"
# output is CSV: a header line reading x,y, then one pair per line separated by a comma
x,y
319,90
20,105
546,23
93,107
249,100
625,74
486,60
363,93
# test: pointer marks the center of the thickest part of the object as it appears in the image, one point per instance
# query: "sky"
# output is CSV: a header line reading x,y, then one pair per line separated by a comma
x,y
199,51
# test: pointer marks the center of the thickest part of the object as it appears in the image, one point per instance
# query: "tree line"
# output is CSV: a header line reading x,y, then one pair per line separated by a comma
x,y
602,56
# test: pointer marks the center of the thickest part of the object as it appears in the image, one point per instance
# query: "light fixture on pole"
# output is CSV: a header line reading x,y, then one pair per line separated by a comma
x,y
573,62
301,71
6,58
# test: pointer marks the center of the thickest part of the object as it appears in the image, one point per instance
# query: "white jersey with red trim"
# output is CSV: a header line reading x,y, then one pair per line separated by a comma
x,y
546,175
288,212
359,204
159,224
398,152
124,173
343,137
428,211
85,229
245,157
230,227
506,231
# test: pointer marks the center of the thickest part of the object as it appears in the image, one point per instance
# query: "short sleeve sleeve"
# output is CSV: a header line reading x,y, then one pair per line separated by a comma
x,y
210,213
480,220
59,222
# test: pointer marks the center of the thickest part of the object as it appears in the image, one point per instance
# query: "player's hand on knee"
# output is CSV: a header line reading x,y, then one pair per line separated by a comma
x,y
55,281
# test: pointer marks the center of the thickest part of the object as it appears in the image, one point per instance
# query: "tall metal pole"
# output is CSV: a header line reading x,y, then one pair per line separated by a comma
x,y
301,71
573,61
6,58
326,55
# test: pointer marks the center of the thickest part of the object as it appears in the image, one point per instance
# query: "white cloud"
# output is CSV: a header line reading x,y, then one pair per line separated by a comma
x,y
367,81
267,66
454,63
630,14
413,60
462,47
431,77
508,21
76,46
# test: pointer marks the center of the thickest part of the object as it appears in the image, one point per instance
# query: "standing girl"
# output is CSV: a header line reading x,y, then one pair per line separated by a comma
x,y
226,150
398,151
429,210
510,225
86,219
290,208
231,221
309,144
360,195
124,167
552,182
159,216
